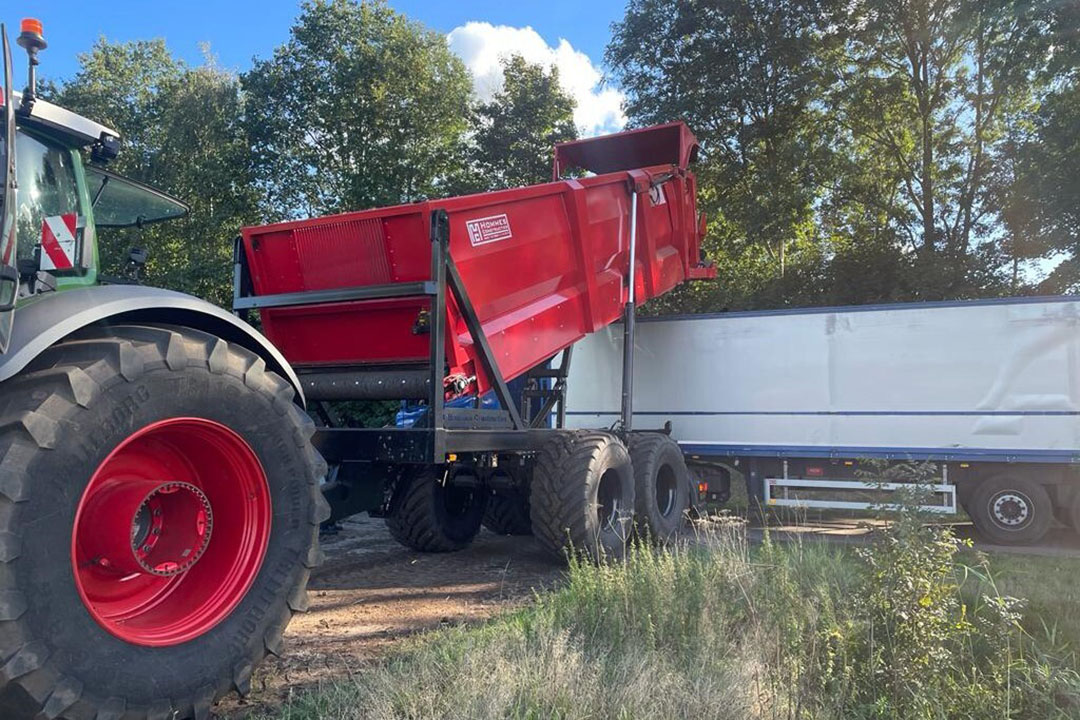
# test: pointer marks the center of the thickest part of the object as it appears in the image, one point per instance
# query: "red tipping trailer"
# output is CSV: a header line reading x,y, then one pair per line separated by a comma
x,y
543,265
446,299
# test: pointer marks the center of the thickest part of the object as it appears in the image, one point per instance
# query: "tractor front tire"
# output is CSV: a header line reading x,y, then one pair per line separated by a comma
x,y
159,514
430,514
582,495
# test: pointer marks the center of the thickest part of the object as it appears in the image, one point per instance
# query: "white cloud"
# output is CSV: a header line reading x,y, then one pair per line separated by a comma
x,y
482,46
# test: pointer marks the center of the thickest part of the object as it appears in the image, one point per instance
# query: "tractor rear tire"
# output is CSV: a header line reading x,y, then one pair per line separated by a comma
x,y
1011,510
431,515
195,430
661,483
582,495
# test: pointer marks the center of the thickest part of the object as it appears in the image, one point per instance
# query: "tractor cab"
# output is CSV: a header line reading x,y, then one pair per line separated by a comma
x,y
54,202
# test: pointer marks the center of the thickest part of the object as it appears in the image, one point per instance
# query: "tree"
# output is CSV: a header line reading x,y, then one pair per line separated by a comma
x,y
1040,192
182,131
745,75
517,129
361,107
927,87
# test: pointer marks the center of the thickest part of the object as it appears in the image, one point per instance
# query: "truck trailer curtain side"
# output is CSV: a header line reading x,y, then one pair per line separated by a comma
x,y
985,388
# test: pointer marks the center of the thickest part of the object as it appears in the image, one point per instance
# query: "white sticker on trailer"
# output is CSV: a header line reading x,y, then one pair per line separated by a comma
x,y
489,229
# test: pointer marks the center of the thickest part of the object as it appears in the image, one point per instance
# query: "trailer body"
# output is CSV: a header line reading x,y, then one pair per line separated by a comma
x,y
980,387
542,265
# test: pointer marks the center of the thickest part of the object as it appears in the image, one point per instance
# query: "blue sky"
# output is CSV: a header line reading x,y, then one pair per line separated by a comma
x,y
239,30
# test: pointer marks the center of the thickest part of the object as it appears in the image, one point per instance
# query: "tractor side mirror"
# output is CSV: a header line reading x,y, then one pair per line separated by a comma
x,y
137,257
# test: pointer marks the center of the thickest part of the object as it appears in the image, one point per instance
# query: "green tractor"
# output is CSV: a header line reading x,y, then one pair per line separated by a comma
x,y
159,496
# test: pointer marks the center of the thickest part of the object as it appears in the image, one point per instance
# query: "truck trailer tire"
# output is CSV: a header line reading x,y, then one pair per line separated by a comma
x,y
661,484
1011,509
160,506
508,514
582,495
430,514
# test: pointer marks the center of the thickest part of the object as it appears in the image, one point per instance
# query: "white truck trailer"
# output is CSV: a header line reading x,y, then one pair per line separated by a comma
x,y
797,399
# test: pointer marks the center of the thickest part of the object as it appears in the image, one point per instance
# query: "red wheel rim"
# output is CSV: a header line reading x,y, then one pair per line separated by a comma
x,y
171,532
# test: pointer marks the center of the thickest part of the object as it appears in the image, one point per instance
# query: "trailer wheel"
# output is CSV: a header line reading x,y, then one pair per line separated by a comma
x,y
661,484
1011,509
508,514
160,505
582,495
429,514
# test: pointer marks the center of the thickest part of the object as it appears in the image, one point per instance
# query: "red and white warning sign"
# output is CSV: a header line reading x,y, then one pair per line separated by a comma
x,y
58,244
488,229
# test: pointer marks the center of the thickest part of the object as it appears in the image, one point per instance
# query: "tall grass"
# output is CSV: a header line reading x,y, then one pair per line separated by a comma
x,y
719,629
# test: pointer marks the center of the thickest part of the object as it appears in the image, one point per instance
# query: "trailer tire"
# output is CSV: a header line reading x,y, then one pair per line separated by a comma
x,y
429,514
582,495
661,485
508,514
89,416
1011,509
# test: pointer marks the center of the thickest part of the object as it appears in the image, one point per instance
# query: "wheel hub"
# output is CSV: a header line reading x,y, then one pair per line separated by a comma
x,y
147,526
1011,509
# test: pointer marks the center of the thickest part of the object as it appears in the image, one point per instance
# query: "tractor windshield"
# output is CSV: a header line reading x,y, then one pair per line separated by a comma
x,y
122,202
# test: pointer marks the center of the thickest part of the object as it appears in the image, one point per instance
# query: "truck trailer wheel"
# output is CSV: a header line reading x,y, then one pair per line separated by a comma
x,y
429,514
508,514
160,505
661,484
582,495
1011,509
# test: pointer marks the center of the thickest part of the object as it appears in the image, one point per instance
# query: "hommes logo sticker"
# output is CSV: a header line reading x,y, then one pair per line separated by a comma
x,y
489,229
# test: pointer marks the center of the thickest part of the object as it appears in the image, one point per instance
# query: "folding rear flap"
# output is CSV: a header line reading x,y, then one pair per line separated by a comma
x,y
670,144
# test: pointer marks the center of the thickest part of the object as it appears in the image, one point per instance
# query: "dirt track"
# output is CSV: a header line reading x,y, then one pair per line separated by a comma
x,y
371,592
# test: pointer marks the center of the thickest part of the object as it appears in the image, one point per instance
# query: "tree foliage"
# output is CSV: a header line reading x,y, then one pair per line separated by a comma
x,y
361,107
516,130
743,75
867,151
